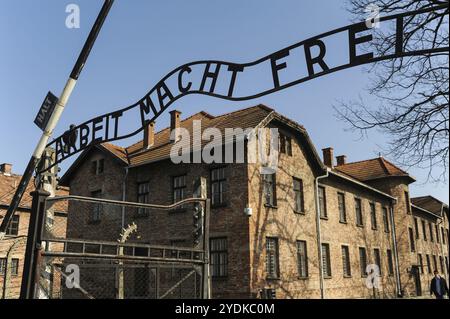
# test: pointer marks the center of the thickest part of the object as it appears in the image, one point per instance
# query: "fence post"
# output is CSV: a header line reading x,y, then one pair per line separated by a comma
x,y
206,275
34,241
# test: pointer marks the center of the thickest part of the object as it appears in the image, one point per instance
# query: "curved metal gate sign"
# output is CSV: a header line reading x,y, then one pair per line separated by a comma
x,y
309,59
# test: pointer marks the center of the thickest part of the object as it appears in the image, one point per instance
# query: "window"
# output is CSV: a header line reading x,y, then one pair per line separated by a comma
x,y
438,238
219,257
14,267
421,263
424,230
341,205
377,256
408,203
431,232
347,271
373,216
285,144
386,219
363,261
390,262
322,202
441,262
218,181
143,197
429,264
96,213
358,211
435,266
446,263
179,188
13,229
302,258
98,167
443,235
326,260
416,227
2,266
298,195
411,240
269,181
272,257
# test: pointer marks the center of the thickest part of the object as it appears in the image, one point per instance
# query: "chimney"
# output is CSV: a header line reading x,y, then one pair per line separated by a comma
x,y
6,169
328,157
149,135
175,125
341,160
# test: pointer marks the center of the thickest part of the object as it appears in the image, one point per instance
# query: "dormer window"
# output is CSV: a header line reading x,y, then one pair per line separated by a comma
x,y
98,166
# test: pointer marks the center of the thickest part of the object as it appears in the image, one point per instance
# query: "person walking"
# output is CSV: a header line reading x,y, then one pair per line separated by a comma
x,y
438,286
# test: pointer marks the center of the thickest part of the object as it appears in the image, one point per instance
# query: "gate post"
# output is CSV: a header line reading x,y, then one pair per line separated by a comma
x,y
34,240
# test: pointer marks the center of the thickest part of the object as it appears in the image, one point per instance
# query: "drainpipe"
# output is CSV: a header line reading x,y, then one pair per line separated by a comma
x,y
319,234
442,236
394,240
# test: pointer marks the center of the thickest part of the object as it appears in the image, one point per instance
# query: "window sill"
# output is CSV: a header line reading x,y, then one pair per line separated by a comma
x,y
327,277
374,229
270,206
343,222
361,226
299,212
324,218
348,276
273,278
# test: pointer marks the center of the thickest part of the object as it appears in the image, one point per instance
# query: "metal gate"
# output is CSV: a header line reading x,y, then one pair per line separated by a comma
x,y
107,249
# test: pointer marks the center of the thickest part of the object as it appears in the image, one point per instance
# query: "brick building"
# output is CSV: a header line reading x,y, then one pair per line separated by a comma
x,y
314,226
12,248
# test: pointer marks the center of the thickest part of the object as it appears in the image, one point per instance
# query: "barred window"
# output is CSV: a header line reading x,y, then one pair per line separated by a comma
x,y
298,194
421,263
322,202
302,258
390,262
13,229
435,265
98,167
347,271
363,261
358,211
386,219
2,266
408,203
438,238
416,227
431,232
219,257
377,256
269,181
14,267
441,262
424,230
341,205
429,264
272,260
443,235
326,260
411,240
373,216
218,181
143,197
179,188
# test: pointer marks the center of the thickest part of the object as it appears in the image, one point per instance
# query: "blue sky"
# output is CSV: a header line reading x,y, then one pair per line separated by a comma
x,y
143,40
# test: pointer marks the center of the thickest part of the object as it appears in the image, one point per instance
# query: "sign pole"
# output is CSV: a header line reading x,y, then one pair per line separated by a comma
x,y
55,116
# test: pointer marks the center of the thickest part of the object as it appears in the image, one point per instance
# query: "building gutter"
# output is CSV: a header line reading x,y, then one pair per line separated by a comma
x,y
319,233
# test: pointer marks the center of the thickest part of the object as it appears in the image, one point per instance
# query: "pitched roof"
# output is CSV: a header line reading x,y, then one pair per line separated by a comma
x,y
8,185
246,118
372,169
430,204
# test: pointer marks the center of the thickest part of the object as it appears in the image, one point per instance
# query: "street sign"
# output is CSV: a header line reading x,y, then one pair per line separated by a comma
x,y
46,111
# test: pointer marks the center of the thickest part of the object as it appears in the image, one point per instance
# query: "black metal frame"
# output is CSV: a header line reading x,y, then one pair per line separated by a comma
x,y
149,112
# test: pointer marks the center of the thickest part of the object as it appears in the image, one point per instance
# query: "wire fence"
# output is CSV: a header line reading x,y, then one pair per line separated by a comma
x,y
105,249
